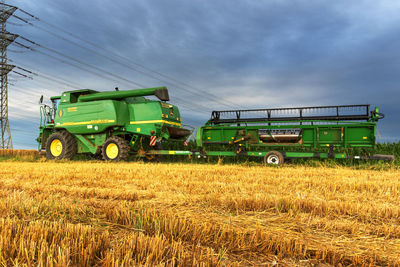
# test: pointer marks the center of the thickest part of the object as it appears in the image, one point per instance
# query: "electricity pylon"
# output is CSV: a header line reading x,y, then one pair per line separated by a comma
x,y
6,39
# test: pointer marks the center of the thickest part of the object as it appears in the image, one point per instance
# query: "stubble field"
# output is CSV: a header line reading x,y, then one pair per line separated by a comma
x,y
123,214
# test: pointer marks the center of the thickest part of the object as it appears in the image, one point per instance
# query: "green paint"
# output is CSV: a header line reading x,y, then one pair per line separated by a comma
x,y
93,116
350,134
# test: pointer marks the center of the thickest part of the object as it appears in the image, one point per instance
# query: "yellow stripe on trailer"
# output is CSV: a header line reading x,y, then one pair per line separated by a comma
x,y
156,121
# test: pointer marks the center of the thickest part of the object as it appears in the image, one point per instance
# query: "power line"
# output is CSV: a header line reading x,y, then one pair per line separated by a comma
x,y
175,81
200,109
77,66
48,77
135,69
23,75
42,84
52,78
77,61
17,51
66,62
16,24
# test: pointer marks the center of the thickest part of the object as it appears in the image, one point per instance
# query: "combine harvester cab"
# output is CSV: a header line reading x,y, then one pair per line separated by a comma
x,y
111,124
285,133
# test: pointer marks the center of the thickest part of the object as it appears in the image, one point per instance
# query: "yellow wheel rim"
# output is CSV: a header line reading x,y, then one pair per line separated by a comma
x,y
112,151
56,147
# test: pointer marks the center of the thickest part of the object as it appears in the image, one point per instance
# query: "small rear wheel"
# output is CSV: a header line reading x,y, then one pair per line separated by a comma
x,y
61,145
274,157
115,149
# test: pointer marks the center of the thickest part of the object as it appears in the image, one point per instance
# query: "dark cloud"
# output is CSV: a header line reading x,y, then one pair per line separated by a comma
x,y
253,53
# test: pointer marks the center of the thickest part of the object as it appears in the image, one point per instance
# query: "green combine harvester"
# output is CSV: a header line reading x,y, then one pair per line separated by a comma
x,y
111,124
118,123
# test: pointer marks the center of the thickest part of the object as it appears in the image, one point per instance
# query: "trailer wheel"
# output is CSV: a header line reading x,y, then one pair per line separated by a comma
x,y
274,157
115,149
61,145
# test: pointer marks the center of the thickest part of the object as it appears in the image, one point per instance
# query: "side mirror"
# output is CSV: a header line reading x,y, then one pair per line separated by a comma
x,y
41,100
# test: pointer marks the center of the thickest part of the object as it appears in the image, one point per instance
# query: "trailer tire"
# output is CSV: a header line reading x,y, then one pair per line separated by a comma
x,y
61,145
115,149
274,157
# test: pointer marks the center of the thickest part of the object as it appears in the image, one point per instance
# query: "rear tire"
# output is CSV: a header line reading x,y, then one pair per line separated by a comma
x,y
274,157
61,145
115,149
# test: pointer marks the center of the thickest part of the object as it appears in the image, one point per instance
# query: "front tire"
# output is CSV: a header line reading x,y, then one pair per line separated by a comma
x,y
274,157
115,149
61,145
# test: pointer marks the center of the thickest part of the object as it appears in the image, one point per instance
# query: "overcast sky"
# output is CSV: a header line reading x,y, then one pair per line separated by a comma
x,y
221,54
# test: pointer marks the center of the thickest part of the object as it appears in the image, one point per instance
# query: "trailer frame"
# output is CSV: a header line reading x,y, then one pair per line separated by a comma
x,y
286,154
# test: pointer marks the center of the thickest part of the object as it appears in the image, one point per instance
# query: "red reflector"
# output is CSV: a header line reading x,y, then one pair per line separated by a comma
x,y
152,132
52,121
153,140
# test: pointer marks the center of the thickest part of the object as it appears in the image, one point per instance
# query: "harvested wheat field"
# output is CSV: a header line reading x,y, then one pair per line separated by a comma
x,y
123,214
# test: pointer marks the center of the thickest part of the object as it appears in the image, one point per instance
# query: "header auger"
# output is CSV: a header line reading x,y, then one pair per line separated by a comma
x,y
115,124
